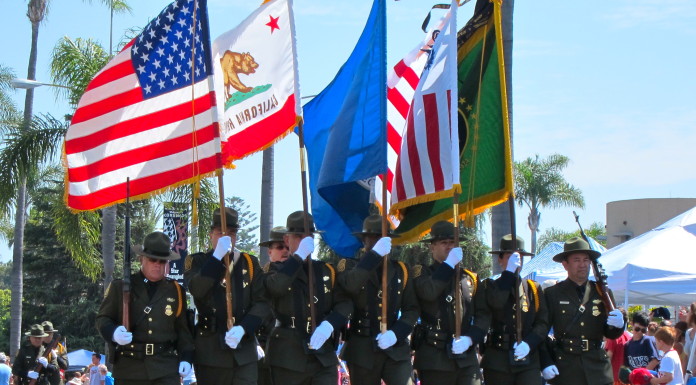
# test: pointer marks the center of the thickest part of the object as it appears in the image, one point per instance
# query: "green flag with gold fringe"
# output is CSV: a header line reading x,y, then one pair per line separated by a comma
x,y
484,134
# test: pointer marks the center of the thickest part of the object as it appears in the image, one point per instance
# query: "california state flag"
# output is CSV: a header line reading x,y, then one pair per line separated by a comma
x,y
256,87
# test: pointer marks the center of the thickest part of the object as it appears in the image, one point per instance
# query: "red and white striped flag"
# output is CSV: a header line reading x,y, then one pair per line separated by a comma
x,y
148,115
401,87
428,165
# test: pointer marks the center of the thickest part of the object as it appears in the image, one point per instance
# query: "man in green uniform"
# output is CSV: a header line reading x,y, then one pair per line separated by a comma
x,y
580,320
373,356
277,253
441,359
59,353
296,354
158,346
507,362
31,357
226,356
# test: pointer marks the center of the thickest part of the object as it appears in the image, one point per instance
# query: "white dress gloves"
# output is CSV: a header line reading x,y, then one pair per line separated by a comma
x,y
321,334
549,372
513,262
454,257
306,248
461,344
386,340
233,336
184,368
615,319
383,246
43,361
521,350
224,245
122,336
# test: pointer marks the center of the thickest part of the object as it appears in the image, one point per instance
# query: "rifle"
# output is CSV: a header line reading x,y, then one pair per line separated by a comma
x,y
599,273
518,282
305,205
227,259
127,262
47,351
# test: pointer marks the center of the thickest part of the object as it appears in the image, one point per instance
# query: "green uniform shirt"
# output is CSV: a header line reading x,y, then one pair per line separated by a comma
x,y
26,361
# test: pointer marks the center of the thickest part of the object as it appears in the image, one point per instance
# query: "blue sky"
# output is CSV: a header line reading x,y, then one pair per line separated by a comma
x,y
609,84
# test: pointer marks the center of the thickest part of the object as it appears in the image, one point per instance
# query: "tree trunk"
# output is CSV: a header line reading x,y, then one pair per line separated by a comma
x,y
533,222
21,209
266,201
501,221
108,237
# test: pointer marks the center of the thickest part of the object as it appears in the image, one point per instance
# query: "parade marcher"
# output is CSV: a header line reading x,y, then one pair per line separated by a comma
x,y
295,354
389,358
439,358
226,357
580,320
59,353
158,347
277,253
29,355
505,361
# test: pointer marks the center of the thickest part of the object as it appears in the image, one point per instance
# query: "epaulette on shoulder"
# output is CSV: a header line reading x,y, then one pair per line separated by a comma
x,y
332,270
405,271
535,293
417,270
250,265
180,301
474,279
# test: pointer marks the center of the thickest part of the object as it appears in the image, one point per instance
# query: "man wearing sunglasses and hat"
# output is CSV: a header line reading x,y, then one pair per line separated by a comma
x,y
441,359
296,354
506,361
158,346
31,355
226,356
580,321
59,353
373,356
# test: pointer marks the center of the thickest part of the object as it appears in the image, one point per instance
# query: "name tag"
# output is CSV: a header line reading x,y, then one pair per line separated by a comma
x,y
564,302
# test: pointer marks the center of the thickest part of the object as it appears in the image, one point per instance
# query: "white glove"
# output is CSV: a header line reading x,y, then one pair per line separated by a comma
x,y
33,375
382,247
454,257
184,368
386,340
224,245
43,361
549,372
233,336
461,344
54,352
122,336
260,354
306,247
615,319
513,262
321,334
521,350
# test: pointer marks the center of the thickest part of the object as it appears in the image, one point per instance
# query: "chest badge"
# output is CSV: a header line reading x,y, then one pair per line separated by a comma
x,y
595,311
168,310
170,299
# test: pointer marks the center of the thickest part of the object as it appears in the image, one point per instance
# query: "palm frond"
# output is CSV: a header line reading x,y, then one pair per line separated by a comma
x,y
73,65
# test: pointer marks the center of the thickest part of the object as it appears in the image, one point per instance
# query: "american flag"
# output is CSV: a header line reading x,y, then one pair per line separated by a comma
x,y
148,115
401,87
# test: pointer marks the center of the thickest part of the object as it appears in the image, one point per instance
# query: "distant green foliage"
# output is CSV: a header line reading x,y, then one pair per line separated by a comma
x,y
597,231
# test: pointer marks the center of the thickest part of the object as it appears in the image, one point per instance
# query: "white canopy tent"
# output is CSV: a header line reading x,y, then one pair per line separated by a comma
x,y
543,267
657,267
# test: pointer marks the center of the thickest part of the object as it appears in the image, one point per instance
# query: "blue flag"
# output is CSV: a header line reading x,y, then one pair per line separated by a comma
x,y
345,137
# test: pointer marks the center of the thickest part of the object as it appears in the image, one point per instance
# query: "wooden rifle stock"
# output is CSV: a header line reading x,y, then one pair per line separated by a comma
x,y
598,271
227,259
47,351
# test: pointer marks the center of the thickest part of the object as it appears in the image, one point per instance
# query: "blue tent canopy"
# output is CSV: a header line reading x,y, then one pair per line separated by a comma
x,y
542,267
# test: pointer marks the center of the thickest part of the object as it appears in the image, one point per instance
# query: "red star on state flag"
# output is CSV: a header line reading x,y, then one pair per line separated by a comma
x,y
273,23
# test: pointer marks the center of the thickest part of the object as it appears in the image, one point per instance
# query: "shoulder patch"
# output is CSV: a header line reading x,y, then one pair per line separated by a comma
x,y
266,267
341,266
417,271
188,262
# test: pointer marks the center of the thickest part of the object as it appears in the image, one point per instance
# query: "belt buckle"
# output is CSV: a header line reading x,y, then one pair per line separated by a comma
x,y
309,327
585,345
149,349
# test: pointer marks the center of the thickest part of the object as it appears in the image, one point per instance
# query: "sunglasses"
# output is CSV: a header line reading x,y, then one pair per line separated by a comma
x,y
278,247
639,329
155,260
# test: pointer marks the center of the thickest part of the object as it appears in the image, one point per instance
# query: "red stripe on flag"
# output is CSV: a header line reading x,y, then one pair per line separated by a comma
x,y
393,138
398,101
140,124
141,154
110,74
432,129
390,179
107,105
142,186
411,77
413,157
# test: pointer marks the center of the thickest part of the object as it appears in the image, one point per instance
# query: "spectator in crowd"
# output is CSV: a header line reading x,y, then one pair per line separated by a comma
x,y
106,375
5,371
670,366
615,349
95,377
680,328
659,314
639,351
652,328
690,332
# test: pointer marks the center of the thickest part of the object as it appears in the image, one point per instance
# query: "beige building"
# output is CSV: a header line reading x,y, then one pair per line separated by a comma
x,y
631,218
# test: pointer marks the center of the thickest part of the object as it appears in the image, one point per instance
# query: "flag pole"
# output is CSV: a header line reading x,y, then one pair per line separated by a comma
x,y
305,208
383,125
227,257
385,262
518,281
458,270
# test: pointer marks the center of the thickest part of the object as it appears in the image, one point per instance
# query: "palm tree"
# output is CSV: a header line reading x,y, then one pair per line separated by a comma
x,y
500,215
266,200
540,183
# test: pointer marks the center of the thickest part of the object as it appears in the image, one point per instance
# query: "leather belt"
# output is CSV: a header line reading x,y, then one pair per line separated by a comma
x,y
138,350
577,345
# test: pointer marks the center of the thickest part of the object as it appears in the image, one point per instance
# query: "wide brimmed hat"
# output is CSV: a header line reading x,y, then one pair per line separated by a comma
x,y
295,223
506,246
440,231
231,218
36,330
276,235
576,245
48,327
372,225
157,245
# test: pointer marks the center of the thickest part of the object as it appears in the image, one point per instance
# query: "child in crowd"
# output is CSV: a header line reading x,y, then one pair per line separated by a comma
x,y
670,372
